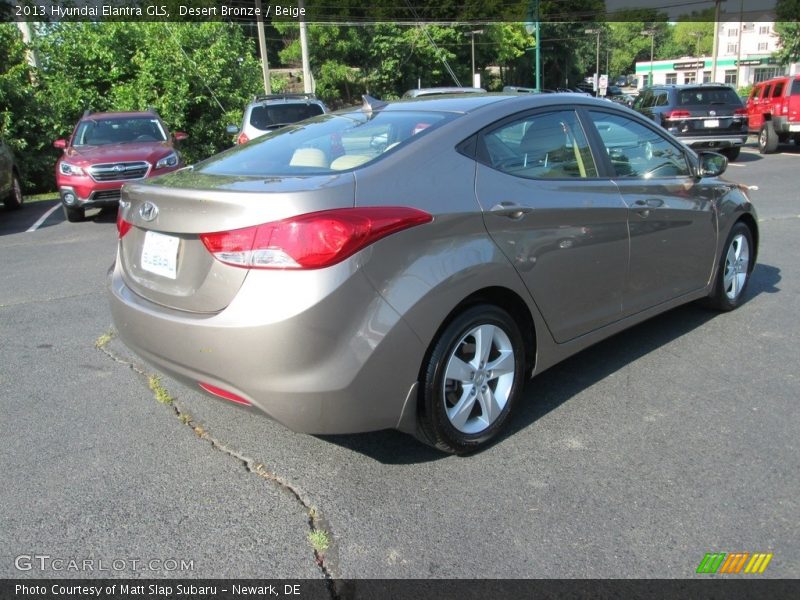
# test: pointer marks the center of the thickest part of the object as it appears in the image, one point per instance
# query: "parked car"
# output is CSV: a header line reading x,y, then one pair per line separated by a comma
x,y
411,264
703,116
107,150
267,113
773,112
440,91
10,180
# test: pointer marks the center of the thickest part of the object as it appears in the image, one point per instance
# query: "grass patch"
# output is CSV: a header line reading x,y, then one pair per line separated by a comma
x,y
161,393
319,540
103,340
41,197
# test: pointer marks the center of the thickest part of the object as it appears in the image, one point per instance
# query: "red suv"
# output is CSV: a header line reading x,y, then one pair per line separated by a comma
x,y
773,112
107,150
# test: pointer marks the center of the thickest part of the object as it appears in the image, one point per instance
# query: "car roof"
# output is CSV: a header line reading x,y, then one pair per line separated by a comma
x,y
465,103
286,98
433,91
120,115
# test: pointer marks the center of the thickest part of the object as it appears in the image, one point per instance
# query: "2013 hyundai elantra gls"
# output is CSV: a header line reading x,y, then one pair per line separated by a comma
x,y
410,265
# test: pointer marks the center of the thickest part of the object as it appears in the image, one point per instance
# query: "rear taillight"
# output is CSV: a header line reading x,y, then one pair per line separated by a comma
x,y
123,226
310,241
674,115
242,139
740,112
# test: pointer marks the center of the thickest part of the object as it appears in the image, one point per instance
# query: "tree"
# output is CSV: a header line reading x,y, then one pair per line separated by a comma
x,y
787,28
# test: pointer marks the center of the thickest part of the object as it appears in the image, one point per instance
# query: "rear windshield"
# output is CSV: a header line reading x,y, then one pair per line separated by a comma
x,y
325,144
795,88
101,132
706,96
265,117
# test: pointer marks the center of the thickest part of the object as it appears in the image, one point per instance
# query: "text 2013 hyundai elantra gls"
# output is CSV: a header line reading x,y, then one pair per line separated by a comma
x,y
409,265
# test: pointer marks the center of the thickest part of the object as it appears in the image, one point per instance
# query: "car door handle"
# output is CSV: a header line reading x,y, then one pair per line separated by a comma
x,y
649,203
512,210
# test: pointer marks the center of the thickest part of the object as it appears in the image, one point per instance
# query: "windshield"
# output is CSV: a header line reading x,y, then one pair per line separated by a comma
x,y
265,116
100,132
706,96
324,144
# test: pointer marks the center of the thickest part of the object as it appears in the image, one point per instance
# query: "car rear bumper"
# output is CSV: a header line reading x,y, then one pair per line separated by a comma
x,y
343,361
716,141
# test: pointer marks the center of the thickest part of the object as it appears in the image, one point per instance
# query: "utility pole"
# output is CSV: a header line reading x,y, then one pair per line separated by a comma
x,y
27,38
597,61
262,48
307,87
475,80
652,34
716,42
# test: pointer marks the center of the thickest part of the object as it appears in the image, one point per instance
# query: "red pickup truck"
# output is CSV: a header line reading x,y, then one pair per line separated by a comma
x,y
773,112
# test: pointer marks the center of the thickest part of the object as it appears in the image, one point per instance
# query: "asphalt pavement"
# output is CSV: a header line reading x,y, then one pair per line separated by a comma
x,y
634,458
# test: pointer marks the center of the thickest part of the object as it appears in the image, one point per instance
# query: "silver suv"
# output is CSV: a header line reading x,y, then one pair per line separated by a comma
x,y
266,113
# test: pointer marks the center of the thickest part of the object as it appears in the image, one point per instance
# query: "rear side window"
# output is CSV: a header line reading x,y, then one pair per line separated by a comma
x,y
269,116
777,90
795,91
540,146
706,96
325,144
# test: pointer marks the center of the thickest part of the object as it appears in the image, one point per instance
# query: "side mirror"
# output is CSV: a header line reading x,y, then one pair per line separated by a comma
x,y
179,136
60,144
232,129
712,164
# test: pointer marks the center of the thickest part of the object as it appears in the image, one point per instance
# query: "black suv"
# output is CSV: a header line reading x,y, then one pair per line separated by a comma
x,y
708,115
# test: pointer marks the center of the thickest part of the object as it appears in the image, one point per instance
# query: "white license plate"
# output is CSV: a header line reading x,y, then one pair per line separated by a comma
x,y
160,254
711,123
794,127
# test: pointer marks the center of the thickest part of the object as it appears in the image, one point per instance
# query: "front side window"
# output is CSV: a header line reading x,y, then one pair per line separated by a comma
x,y
541,146
795,91
637,151
777,89
325,144
102,132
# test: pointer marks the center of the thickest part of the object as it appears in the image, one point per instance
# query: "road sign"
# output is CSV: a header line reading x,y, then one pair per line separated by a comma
x,y
603,84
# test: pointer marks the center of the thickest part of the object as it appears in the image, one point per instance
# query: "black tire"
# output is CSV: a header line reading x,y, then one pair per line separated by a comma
x,y
73,215
797,139
15,197
767,139
437,395
732,153
721,297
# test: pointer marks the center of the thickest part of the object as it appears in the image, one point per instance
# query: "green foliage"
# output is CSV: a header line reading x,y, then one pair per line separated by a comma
x,y
787,28
198,76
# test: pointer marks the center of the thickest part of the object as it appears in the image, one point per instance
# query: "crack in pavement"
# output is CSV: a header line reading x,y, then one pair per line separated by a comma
x,y
316,522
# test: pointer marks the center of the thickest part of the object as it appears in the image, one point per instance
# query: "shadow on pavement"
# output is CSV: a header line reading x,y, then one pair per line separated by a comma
x,y
557,385
22,219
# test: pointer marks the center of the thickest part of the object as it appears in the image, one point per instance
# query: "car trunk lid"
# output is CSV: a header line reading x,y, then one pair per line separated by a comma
x,y
162,256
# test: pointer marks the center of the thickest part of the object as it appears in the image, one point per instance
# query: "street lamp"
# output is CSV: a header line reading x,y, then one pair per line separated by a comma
x,y
473,34
652,34
597,61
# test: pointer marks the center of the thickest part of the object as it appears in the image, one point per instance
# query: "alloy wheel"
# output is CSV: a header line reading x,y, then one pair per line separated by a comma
x,y
478,379
737,265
